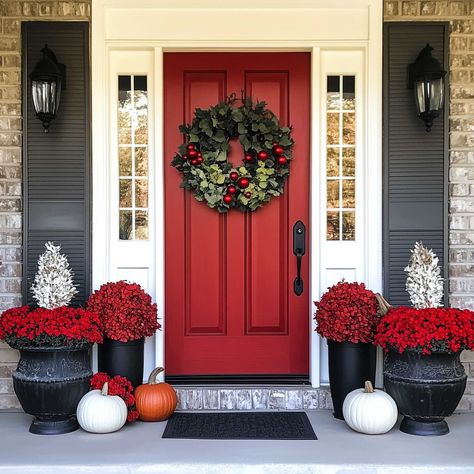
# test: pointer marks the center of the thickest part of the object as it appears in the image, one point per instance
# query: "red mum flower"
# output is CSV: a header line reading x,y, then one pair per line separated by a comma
x,y
126,310
347,312
26,327
426,330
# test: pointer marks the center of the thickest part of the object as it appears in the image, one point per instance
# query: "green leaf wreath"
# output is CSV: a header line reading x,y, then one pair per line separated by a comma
x,y
267,153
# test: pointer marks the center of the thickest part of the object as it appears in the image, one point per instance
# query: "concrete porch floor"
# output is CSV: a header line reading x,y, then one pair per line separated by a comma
x,y
138,448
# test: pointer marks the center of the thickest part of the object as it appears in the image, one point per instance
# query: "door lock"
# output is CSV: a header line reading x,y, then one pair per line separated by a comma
x,y
299,248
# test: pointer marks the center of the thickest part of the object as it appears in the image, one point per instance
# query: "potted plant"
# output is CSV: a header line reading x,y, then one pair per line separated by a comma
x,y
347,316
422,367
128,316
54,341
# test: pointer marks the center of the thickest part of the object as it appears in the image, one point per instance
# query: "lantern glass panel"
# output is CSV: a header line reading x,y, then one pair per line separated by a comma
x,y
46,96
436,96
429,95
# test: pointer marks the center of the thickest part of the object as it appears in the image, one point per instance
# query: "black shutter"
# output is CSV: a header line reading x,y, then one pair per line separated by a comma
x,y
415,161
57,164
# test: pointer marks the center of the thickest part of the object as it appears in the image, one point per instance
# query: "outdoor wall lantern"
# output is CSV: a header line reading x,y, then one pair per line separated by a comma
x,y
425,77
47,80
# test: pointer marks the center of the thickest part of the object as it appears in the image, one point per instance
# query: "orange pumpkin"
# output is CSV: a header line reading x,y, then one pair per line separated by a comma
x,y
155,401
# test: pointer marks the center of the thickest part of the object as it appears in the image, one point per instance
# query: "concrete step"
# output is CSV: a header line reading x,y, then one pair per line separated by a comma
x,y
6,386
138,448
6,370
9,402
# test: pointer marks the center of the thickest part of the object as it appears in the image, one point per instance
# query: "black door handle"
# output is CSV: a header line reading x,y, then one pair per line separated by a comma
x,y
299,248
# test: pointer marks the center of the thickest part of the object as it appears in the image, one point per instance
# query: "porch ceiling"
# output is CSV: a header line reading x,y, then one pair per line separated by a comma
x,y
138,448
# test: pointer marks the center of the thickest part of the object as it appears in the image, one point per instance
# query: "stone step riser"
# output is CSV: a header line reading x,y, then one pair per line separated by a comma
x,y
202,398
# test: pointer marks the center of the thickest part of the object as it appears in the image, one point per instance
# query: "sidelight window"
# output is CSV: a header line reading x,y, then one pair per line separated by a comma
x,y
133,157
340,157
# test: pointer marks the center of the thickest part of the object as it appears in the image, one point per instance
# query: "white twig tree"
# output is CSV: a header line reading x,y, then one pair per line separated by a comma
x,y
424,282
53,286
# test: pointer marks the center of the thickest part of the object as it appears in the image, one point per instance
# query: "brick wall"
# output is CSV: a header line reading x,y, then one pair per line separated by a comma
x,y
12,13
460,15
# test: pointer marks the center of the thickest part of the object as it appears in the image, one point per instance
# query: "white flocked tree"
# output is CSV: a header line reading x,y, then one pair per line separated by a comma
x,y
424,282
53,286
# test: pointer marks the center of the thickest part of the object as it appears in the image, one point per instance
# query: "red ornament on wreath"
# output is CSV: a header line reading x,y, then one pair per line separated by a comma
x,y
278,150
202,158
243,183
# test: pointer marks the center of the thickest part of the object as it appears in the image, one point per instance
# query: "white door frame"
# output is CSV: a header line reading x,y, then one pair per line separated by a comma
x,y
315,26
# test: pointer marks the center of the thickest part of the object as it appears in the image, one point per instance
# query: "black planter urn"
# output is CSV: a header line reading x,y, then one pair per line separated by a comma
x,y
50,382
426,388
350,365
122,358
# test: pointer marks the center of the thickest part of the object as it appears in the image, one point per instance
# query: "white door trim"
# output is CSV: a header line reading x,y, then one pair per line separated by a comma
x,y
304,27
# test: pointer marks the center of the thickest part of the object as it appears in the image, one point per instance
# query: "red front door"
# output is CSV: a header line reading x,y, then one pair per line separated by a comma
x,y
230,303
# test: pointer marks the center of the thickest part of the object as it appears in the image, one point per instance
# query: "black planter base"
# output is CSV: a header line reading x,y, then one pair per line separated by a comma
x,y
423,428
54,427
350,365
122,358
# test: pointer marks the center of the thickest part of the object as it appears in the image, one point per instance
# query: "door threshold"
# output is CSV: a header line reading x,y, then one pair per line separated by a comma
x,y
252,379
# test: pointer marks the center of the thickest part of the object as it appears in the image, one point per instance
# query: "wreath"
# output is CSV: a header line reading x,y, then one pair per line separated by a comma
x,y
202,158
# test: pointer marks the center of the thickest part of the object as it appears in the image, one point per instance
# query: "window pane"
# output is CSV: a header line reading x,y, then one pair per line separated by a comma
x,y
333,193
141,130
348,128
332,225
125,161
348,225
333,129
333,83
125,83
141,225
124,127
125,193
126,228
348,162
141,193
348,92
140,83
333,93
332,162
141,161
348,193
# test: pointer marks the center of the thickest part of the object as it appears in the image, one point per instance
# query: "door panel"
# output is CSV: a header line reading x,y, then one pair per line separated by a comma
x,y
230,306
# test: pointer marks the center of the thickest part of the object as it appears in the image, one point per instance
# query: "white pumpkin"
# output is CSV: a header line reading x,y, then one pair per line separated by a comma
x,y
99,412
370,411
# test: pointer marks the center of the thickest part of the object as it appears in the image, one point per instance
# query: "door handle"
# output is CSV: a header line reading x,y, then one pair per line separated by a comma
x,y
299,248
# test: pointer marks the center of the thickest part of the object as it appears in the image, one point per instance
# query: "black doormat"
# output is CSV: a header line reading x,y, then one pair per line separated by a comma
x,y
246,425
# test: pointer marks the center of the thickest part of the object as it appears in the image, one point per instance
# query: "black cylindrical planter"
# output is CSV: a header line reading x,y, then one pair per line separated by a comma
x,y
426,388
49,382
350,365
122,358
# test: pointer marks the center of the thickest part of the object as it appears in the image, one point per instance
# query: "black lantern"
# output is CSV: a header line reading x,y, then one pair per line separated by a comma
x,y
425,77
47,81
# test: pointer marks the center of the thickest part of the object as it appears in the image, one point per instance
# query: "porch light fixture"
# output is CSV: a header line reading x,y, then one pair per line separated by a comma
x,y
426,78
47,80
